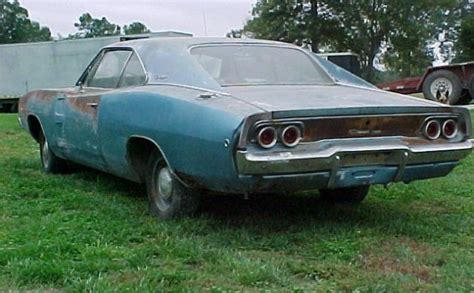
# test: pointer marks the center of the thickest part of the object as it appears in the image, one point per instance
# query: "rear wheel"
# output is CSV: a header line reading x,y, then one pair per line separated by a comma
x,y
350,195
50,162
442,86
167,196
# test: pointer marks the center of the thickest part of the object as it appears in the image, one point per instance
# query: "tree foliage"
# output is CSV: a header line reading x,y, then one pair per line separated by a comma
x,y
300,22
358,26
16,27
90,27
466,39
135,28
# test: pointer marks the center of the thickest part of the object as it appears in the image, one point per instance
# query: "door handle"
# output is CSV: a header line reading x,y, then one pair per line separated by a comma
x,y
93,105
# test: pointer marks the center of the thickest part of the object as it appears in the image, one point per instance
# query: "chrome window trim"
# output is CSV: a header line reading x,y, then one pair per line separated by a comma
x,y
99,57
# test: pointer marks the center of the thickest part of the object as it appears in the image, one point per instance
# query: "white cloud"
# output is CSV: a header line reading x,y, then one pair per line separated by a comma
x,y
200,17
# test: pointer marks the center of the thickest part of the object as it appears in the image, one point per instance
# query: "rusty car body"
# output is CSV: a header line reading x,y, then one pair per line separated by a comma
x,y
185,115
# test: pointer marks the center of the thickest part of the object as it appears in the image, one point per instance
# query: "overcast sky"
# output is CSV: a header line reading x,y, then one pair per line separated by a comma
x,y
199,17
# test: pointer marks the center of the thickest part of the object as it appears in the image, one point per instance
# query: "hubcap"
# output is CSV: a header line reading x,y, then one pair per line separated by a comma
x,y
441,88
163,189
45,155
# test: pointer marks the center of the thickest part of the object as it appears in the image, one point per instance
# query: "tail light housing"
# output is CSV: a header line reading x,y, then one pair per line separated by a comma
x,y
288,134
291,136
450,129
267,137
432,129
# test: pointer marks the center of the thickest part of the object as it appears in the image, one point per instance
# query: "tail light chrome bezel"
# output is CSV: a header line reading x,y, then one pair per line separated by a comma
x,y
297,141
259,137
455,132
438,132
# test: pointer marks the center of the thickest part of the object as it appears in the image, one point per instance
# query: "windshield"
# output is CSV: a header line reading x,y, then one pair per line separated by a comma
x,y
259,65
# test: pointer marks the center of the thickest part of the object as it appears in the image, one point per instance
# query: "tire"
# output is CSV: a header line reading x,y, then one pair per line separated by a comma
x,y
168,198
349,195
471,88
442,86
49,161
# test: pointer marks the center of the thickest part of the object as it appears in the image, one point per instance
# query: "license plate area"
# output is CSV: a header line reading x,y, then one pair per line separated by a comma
x,y
369,158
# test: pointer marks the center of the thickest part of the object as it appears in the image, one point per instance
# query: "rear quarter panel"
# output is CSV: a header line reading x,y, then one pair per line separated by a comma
x,y
190,131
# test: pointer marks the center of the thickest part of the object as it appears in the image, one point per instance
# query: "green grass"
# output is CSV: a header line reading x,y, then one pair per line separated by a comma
x,y
92,231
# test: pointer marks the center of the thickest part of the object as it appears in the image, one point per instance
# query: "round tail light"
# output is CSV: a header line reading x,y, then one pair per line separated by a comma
x,y
450,129
432,129
267,137
291,136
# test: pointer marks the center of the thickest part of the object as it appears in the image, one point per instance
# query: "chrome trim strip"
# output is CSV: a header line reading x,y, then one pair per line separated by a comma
x,y
189,87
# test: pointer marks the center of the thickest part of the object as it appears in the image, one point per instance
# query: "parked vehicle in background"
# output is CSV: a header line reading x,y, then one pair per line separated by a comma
x,y
187,115
347,60
8,104
449,84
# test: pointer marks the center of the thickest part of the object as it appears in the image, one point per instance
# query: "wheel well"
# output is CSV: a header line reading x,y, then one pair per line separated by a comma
x,y
138,152
34,126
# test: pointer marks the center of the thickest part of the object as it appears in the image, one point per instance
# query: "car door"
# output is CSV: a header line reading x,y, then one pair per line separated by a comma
x,y
82,109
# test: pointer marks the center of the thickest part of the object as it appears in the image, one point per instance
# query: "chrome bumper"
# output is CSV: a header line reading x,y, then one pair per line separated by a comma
x,y
333,155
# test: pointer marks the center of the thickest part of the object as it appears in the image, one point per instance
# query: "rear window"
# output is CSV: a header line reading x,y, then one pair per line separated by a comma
x,y
259,65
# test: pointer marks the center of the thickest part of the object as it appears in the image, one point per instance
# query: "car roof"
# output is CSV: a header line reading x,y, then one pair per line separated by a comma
x,y
186,42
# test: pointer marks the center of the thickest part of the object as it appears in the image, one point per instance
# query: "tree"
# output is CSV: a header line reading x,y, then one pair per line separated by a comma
x,y
90,27
300,22
16,27
466,39
405,25
135,28
357,26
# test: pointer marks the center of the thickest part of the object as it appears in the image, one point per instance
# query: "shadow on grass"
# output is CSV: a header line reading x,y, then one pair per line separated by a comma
x,y
276,213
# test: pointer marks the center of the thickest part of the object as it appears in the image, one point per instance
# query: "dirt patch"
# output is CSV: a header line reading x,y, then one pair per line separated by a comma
x,y
402,256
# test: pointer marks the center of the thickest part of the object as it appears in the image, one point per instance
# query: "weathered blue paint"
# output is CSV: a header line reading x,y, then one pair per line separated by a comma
x,y
200,135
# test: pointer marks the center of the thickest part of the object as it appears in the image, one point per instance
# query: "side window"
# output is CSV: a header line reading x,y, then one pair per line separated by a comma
x,y
133,74
107,73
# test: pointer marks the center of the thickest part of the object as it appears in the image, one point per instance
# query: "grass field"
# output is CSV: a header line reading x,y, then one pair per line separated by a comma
x,y
91,231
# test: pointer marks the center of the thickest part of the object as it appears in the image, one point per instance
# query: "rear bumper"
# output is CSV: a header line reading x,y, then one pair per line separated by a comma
x,y
345,177
345,163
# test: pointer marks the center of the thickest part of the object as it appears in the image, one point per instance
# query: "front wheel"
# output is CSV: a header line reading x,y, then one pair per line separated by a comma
x,y
167,196
350,195
49,161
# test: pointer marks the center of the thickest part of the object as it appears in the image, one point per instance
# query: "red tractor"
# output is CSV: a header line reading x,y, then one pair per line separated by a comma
x,y
449,84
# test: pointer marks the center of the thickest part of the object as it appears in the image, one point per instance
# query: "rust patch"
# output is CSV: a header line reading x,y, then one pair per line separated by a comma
x,y
387,260
354,127
85,104
44,96
41,95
